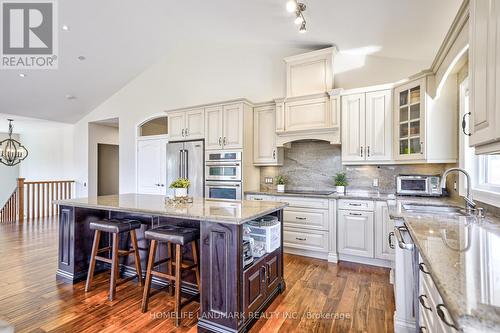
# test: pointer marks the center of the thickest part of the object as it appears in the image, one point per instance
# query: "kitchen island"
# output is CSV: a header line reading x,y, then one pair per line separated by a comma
x,y
230,294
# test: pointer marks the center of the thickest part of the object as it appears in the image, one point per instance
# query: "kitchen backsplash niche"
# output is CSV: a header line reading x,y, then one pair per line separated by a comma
x,y
312,165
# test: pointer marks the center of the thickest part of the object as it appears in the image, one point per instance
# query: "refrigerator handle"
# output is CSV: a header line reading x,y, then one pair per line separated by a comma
x,y
186,164
181,163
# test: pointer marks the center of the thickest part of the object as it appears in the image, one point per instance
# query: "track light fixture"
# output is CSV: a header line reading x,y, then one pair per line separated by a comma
x,y
298,8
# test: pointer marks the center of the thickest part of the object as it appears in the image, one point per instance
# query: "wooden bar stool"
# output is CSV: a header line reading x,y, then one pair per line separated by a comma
x,y
115,227
179,236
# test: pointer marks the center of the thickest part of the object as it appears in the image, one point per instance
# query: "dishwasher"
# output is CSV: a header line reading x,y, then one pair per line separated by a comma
x,y
405,281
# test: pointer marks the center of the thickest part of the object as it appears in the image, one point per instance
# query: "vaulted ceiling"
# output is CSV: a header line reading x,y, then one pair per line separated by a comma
x,y
121,38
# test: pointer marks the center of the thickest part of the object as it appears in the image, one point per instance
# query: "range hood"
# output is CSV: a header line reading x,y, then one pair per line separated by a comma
x,y
311,108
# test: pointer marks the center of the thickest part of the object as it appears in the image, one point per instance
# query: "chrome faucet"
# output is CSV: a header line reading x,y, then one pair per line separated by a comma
x,y
470,205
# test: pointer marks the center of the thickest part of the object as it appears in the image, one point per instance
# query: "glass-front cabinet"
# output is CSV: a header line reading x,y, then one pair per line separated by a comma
x,y
410,120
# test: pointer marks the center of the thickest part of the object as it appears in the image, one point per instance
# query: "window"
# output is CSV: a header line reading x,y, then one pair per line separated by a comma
x,y
157,126
489,172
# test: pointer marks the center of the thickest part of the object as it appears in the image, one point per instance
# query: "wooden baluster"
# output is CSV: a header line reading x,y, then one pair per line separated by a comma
x,y
70,186
32,201
20,189
28,201
43,199
38,201
52,208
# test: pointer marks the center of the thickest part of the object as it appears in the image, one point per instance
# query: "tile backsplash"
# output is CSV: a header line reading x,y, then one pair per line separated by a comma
x,y
312,165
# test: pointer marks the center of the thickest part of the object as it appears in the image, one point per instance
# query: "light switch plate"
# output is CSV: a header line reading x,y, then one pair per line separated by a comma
x,y
268,180
375,182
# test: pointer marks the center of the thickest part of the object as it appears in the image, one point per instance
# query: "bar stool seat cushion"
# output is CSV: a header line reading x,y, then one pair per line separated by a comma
x,y
173,234
115,226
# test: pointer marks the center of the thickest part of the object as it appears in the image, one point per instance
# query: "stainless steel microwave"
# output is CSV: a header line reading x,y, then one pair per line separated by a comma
x,y
419,185
223,165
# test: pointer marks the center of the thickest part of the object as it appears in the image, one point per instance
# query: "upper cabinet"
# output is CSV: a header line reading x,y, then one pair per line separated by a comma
x,y
186,124
367,127
484,84
265,151
310,73
410,121
224,126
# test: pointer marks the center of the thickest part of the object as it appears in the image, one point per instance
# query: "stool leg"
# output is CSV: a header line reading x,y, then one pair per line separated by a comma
x,y
194,248
169,268
114,268
178,263
95,248
149,268
137,258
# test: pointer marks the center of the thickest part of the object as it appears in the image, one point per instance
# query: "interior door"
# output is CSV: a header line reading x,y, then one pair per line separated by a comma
x,y
151,166
177,125
378,126
353,127
195,124
195,167
233,126
213,128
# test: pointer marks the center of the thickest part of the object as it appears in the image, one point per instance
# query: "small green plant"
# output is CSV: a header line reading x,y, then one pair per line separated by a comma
x,y
340,179
180,183
281,180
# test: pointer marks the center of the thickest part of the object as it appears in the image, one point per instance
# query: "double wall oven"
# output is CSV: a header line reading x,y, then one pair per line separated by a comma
x,y
223,175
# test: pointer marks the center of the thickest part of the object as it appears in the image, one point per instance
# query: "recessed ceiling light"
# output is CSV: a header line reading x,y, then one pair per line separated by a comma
x,y
22,75
65,27
70,97
81,58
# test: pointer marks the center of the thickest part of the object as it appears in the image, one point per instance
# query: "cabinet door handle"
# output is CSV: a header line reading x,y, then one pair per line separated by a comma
x,y
300,218
355,214
182,132
361,151
421,147
186,132
274,154
423,268
391,244
225,141
368,151
220,141
422,329
442,316
300,238
464,124
421,300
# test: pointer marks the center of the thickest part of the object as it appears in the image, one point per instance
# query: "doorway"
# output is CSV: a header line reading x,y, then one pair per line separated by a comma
x,y
107,169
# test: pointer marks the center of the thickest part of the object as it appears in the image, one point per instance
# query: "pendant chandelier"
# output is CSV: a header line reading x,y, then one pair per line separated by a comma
x,y
12,152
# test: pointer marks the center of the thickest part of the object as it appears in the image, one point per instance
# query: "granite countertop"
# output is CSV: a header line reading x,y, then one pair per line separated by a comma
x,y
462,255
202,209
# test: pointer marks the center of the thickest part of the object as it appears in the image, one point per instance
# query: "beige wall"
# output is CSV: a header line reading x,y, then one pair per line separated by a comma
x,y
98,134
107,169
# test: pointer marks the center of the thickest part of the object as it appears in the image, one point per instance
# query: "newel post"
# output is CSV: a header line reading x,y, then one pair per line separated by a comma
x,y
20,189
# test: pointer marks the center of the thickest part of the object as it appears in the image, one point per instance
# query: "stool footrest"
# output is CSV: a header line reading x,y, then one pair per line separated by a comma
x,y
109,261
160,262
105,249
163,275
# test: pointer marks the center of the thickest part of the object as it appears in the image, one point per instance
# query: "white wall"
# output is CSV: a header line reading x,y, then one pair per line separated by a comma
x,y
8,175
203,74
98,134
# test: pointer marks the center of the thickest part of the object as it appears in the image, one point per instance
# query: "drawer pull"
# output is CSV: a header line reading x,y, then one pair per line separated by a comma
x,y
300,239
423,268
442,316
354,204
355,214
258,199
421,299
300,218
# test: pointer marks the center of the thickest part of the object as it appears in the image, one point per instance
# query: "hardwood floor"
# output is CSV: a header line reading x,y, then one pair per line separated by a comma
x,y
320,296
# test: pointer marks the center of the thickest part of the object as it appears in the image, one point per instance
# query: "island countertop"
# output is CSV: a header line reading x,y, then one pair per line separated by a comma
x,y
202,209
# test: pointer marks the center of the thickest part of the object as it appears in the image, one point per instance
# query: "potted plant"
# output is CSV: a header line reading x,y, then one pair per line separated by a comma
x,y
281,182
180,185
340,180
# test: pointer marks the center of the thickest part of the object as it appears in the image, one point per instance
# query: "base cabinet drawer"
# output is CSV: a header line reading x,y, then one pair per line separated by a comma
x,y
364,205
316,203
258,197
306,239
306,218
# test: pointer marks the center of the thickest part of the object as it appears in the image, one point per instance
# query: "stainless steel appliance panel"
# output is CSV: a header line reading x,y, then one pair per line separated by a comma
x,y
185,160
223,156
418,185
223,190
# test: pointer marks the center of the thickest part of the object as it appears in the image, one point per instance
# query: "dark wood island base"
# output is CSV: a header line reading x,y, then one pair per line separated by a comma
x,y
231,296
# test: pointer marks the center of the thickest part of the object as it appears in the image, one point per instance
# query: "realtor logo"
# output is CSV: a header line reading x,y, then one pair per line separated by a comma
x,y
29,34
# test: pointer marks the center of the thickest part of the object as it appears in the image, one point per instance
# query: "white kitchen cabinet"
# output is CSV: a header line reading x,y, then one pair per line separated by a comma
x,y
353,127
151,166
384,227
307,114
213,127
224,127
484,81
265,151
355,233
410,125
186,125
367,127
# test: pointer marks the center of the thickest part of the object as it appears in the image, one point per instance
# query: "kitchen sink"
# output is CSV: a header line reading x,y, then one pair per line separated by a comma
x,y
436,209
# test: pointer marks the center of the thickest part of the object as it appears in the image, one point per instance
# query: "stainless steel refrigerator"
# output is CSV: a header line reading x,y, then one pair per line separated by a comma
x,y
186,159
